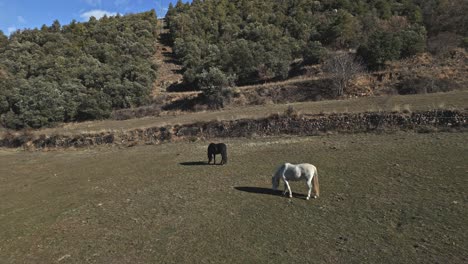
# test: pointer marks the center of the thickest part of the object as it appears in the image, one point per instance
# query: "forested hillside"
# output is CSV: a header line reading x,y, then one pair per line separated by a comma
x,y
76,72
221,42
84,71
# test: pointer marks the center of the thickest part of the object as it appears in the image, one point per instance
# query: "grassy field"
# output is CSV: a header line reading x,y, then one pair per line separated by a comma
x,y
450,100
390,198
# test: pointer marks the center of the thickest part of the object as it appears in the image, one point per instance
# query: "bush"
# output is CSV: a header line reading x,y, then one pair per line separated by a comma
x,y
464,42
443,42
423,85
291,112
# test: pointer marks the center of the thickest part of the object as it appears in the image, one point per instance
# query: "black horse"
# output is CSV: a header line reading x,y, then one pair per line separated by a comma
x,y
214,149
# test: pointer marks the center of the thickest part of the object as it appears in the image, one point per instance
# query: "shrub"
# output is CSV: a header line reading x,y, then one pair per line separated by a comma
x,y
291,112
464,42
422,85
443,42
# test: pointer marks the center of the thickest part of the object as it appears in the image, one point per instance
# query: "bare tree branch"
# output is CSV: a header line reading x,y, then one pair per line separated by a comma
x,y
343,67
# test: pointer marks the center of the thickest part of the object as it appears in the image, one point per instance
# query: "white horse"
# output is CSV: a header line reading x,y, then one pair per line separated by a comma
x,y
291,172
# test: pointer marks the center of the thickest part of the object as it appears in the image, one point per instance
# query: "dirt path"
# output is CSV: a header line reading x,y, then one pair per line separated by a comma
x,y
168,71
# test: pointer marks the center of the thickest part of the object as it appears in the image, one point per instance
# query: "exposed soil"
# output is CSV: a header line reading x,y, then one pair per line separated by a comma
x,y
169,71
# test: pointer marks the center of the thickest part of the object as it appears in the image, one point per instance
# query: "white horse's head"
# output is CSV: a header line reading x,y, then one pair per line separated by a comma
x,y
275,182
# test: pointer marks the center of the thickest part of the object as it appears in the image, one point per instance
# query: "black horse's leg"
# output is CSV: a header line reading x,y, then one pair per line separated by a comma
x,y
224,156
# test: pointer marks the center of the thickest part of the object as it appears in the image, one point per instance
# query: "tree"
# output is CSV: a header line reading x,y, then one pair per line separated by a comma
x,y
381,47
35,103
413,41
80,71
313,53
343,67
383,9
214,84
55,27
3,41
343,31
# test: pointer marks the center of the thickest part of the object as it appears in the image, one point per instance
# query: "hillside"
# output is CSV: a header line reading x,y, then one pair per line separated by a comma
x,y
76,72
244,42
239,54
209,55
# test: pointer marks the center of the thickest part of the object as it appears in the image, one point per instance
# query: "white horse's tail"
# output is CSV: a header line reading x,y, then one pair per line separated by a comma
x,y
316,184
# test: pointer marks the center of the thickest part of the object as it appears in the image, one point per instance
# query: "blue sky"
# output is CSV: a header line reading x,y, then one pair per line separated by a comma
x,y
21,14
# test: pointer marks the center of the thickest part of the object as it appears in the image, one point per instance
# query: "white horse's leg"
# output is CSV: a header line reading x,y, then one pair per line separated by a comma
x,y
289,188
309,184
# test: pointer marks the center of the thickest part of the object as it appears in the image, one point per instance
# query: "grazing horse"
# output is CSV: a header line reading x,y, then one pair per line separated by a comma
x,y
214,149
290,172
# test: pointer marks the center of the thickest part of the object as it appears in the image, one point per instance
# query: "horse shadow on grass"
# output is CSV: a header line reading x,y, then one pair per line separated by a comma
x,y
268,191
198,163
194,163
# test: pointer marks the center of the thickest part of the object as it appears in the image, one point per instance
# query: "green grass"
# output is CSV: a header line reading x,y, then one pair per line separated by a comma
x,y
390,198
450,100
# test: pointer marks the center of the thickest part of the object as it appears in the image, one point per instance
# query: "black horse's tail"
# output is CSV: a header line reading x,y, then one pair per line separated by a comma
x,y
211,152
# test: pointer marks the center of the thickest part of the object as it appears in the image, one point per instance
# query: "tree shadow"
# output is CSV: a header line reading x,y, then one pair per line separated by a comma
x,y
180,87
165,39
268,191
184,104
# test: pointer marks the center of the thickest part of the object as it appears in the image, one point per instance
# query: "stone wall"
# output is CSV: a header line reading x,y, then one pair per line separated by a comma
x,y
302,125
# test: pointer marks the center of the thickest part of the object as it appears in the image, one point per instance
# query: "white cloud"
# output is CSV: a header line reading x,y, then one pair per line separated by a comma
x,y
96,13
93,2
21,20
11,30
